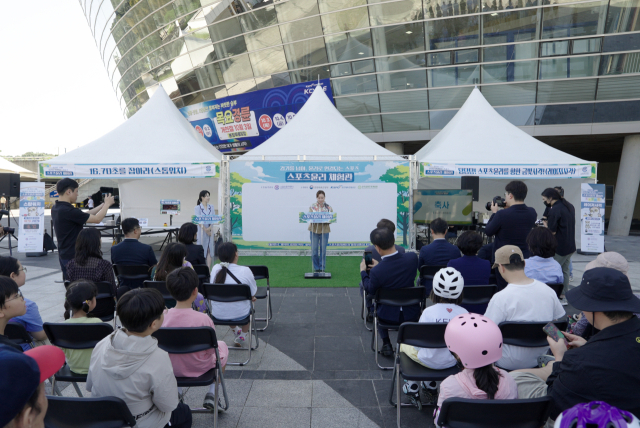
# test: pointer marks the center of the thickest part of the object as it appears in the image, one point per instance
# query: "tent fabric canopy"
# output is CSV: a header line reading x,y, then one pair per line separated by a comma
x,y
319,130
10,167
157,134
478,134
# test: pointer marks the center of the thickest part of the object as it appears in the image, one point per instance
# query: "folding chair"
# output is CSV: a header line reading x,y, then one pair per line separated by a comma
x,y
426,276
132,273
465,413
105,302
262,272
186,340
203,275
73,412
557,287
74,336
18,334
161,286
227,293
394,297
527,334
476,296
421,335
492,279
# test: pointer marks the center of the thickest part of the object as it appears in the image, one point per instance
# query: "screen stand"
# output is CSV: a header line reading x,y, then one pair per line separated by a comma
x,y
321,274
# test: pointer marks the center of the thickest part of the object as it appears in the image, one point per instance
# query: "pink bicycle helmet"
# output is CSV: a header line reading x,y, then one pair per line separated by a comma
x,y
475,339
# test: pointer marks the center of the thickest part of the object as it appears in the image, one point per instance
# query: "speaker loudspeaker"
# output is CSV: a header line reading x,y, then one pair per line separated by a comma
x,y
471,182
10,185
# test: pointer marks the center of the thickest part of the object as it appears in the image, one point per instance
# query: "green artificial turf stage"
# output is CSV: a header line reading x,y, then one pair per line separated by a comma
x,y
289,271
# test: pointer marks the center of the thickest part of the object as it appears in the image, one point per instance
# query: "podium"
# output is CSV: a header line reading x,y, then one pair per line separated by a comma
x,y
319,242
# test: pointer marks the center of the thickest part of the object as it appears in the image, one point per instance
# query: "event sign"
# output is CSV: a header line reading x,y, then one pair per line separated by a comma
x,y
508,171
454,206
169,206
125,171
272,203
244,121
207,219
592,203
31,223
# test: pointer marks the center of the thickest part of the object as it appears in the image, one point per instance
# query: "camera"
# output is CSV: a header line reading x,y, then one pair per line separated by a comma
x,y
498,201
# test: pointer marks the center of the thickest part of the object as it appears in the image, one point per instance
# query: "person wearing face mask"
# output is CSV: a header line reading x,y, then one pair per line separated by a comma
x,y
319,234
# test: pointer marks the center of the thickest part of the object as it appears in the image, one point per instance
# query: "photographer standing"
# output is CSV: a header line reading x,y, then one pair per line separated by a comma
x,y
561,221
511,225
68,221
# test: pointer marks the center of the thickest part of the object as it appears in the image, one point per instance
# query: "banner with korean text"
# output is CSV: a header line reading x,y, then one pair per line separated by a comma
x,y
592,203
31,223
127,171
522,171
273,203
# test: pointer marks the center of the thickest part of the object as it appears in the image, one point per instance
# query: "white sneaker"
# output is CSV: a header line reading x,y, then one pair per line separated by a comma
x,y
564,302
239,341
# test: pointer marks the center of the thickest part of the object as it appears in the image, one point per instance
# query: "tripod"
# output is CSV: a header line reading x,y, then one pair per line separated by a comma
x,y
8,234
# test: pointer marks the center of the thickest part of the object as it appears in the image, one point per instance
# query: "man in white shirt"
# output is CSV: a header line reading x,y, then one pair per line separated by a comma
x,y
523,299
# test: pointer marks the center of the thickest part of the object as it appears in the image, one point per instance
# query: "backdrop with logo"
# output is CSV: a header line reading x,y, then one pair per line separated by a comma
x,y
268,201
245,121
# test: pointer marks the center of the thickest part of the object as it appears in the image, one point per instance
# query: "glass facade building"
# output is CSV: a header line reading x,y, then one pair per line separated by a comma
x,y
398,68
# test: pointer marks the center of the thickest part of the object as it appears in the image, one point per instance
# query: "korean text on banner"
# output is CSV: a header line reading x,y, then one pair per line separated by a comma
x,y
592,202
508,171
193,170
31,225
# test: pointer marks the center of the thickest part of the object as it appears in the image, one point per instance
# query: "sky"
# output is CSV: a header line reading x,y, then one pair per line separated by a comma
x,y
55,91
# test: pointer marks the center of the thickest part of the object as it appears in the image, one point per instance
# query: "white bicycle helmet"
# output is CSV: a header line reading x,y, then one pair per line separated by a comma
x,y
448,283
596,414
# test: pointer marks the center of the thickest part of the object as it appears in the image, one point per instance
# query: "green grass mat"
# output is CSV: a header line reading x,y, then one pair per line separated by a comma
x,y
289,271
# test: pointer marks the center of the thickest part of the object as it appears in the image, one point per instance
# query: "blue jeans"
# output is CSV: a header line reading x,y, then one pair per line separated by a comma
x,y
319,250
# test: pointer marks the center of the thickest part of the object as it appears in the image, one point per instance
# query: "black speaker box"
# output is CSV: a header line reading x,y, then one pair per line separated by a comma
x,y
471,182
10,185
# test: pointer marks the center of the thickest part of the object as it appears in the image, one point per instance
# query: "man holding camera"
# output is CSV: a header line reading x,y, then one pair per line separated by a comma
x,y
68,221
511,225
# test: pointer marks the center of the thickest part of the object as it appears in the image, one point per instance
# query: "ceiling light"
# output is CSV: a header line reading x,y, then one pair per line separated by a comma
x,y
360,53
409,32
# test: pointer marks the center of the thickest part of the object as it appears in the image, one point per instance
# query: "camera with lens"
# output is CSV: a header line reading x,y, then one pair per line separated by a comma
x,y
499,201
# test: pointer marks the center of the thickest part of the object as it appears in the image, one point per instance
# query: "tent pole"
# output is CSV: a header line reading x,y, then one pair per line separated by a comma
x,y
413,184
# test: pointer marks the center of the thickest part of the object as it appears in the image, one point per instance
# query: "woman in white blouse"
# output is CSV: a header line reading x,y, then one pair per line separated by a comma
x,y
229,272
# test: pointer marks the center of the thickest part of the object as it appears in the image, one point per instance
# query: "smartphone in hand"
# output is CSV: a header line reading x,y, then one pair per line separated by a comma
x,y
368,259
553,332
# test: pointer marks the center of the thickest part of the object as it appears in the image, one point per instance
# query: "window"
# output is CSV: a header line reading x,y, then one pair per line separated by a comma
x,y
400,11
623,16
354,85
582,46
364,104
268,61
508,27
306,53
567,91
361,67
400,62
439,58
402,80
405,122
404,101
465,56
345,21
502,95
349,46
572,20
452,33
620,64
288,11
454,76
619,88
395,39
366,124
510,52
302,29
561,68
554,48
509,71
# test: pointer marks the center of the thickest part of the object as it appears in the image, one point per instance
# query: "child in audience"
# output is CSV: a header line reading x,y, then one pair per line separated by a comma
x,y
229,272
31,321
446,296
12,305
129,364
79,300
182,283
476,343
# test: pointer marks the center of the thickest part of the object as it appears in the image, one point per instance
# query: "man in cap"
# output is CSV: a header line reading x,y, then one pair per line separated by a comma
x,y
523,299
605,368
22,400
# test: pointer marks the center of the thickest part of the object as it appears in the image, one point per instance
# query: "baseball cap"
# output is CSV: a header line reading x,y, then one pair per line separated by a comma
x,y
604,289
20,375
503,254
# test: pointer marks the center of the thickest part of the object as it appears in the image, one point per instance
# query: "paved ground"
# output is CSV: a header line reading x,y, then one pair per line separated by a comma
x,y
314,366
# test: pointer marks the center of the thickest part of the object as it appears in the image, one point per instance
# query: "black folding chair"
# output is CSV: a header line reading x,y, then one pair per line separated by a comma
x,y
18,334
132,273
74,336
465,413
492,278
73,412
105,302
421,335
394,297
161,286
476,296
426,276
557,287
203,275
228,293
527,334
186,340
262,272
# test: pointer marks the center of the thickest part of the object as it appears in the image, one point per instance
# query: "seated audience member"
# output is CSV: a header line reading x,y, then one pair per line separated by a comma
x,y
79,300
523,299
188,235
182,283
474,270
605,368
12,305
88,263
446,295
486,252
131,252
541,265
23,403
476,343
174,257
229,272
395,270
439,252
31,321
128,364
376,256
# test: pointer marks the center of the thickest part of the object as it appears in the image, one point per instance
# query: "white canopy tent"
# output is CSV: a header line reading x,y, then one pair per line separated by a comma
x,y
478,141
156,143
12,168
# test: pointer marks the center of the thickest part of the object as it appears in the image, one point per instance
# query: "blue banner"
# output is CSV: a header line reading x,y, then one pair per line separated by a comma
x,y
245,121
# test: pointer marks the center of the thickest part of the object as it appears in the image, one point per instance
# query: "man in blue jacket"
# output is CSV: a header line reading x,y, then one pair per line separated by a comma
x,y
440,251
395,270
132,252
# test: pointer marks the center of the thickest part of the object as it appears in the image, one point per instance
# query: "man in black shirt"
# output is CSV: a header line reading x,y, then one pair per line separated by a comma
x,y
69,221
562,222
512,225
